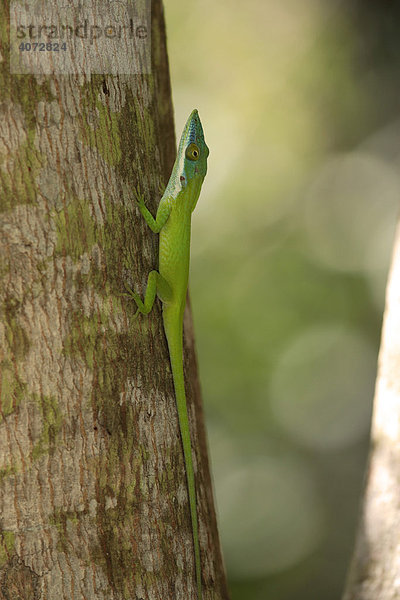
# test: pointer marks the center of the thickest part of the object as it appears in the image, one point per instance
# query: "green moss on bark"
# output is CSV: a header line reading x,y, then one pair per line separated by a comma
x,y
126,139
12,387
59,520
102,133
17,339
51,426
107,245
7,544
18,185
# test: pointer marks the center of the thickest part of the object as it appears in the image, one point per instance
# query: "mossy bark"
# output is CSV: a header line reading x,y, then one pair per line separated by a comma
x,y
93,498
375,569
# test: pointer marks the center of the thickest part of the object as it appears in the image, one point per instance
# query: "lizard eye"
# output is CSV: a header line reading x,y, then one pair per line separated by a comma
x,y
192,152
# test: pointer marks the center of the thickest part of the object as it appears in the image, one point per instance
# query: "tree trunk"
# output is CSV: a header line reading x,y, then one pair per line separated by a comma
x,y
93,497
375,569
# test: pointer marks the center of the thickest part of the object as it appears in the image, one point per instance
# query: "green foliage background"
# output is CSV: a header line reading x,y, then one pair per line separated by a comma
x,y
291,245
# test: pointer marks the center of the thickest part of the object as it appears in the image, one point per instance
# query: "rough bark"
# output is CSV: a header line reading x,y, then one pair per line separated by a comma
x,y
375,569
93,499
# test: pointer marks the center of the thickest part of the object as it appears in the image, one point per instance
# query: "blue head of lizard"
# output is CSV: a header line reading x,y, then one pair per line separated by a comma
x,y
191,162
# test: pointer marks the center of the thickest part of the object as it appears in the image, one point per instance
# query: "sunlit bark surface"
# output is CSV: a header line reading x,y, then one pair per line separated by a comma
x,y
375,569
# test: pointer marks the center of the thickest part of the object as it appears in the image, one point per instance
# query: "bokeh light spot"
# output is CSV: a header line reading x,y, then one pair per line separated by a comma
x,y
322,387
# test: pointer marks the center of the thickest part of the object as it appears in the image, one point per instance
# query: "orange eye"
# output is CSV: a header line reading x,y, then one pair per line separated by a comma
x,y
192,152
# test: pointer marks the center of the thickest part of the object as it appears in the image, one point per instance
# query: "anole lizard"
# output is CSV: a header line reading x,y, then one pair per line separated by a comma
x,y
170,282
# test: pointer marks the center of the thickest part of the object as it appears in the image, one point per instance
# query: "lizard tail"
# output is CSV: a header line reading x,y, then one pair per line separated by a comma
x,y
173,327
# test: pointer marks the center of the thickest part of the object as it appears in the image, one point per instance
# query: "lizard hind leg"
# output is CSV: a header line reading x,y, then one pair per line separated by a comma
x,y
156,284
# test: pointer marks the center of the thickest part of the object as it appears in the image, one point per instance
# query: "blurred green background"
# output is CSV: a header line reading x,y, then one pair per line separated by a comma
x,y
292,239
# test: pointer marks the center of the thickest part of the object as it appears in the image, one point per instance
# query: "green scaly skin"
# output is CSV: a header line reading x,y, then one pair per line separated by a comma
x,y
173,223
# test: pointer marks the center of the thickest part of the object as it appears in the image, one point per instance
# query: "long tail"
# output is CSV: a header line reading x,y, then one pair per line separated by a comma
x,y
174,330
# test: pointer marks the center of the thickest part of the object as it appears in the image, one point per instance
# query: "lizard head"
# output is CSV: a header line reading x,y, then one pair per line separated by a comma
x,y
193,151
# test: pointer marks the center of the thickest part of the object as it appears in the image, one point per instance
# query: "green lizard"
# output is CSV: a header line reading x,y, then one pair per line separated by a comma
x,y
173,223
